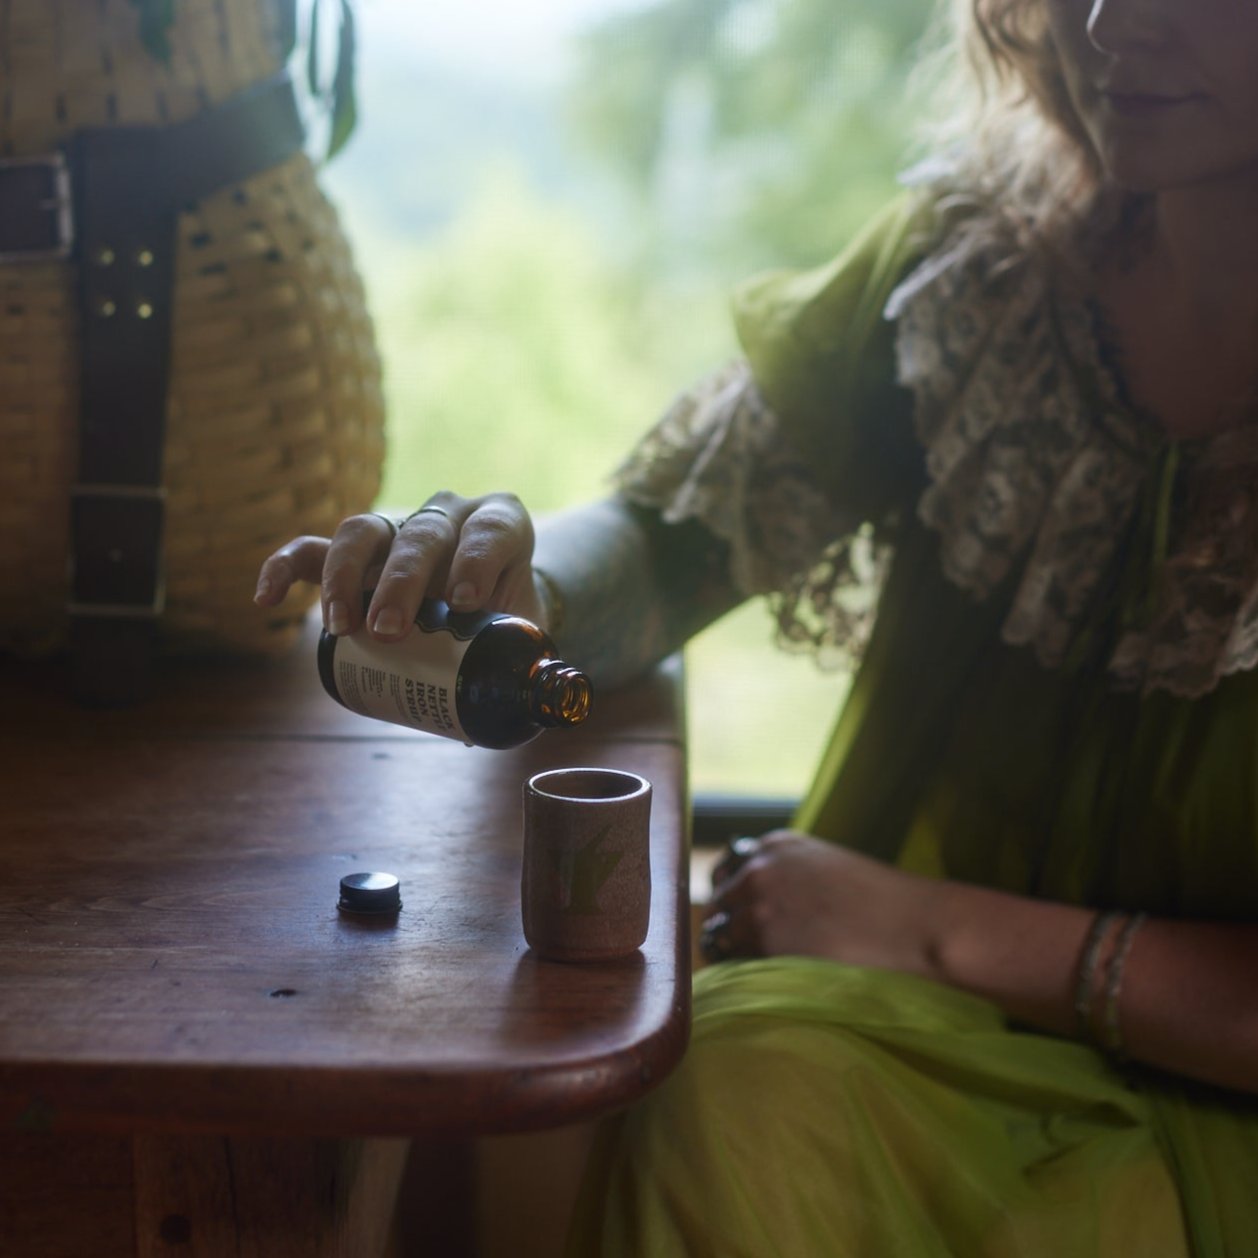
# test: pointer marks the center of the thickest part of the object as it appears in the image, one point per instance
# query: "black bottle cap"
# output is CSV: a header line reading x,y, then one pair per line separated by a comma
x,y
370,893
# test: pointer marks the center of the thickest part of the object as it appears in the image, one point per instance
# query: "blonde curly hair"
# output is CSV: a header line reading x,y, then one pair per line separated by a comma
x,y
1015,148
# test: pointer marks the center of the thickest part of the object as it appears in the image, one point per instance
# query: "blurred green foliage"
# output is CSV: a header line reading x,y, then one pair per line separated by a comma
x,y
530,359
796,109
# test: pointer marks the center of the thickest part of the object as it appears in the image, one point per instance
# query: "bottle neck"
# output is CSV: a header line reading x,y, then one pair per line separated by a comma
x,y
560,695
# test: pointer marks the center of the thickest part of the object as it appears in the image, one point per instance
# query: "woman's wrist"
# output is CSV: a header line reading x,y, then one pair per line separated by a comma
x,y
551,600
1019,953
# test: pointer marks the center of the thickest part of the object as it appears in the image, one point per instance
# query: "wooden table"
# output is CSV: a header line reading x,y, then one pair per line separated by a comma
x,y
184,1013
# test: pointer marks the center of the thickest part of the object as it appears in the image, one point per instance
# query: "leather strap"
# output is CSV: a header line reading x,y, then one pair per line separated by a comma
x,y
128,185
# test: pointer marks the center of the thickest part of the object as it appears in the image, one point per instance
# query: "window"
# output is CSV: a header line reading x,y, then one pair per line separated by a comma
x,y
550,200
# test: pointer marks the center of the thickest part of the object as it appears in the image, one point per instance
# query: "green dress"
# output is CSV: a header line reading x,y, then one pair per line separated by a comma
x,y
1058,697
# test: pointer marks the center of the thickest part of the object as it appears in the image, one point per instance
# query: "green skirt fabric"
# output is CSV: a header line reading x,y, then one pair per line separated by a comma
x,y
829,1110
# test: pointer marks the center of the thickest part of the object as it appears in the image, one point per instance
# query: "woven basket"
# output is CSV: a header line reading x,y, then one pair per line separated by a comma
x,y
275,418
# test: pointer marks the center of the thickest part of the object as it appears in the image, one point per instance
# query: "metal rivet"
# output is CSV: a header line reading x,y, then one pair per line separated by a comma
x,y
145,257
105,256
144,310
107,309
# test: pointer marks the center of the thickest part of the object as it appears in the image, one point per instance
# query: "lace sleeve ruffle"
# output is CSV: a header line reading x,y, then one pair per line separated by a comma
x,y
720,456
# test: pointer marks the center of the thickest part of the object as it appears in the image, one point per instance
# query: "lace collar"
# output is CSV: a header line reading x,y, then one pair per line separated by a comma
x,y
1114,538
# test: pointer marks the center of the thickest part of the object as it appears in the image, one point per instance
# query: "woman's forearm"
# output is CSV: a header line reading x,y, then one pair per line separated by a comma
x,y
1188,999
633,589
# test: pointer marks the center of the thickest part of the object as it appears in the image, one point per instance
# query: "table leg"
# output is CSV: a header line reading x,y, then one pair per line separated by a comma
x,y
197,1197
264,1198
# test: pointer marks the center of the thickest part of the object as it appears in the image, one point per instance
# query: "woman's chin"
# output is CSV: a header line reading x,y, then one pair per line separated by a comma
x,y
1153,172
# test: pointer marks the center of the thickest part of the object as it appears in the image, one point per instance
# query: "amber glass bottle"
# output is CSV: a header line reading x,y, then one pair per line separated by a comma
x,y
485,678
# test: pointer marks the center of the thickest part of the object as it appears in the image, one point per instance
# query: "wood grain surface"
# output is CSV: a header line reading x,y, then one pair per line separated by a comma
x,y
172,959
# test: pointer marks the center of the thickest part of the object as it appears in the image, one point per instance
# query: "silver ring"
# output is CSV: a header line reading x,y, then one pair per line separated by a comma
x,y
715,941
738,852
392,521
433,509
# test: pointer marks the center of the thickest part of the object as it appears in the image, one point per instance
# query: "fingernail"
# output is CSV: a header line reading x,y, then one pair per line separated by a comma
x,y
463,595
338,618
388,622
264,589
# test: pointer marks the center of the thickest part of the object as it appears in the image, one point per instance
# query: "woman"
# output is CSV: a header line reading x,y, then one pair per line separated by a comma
x,y
995,993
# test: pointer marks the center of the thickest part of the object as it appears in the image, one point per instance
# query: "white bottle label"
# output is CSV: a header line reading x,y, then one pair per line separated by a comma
x,y
412,682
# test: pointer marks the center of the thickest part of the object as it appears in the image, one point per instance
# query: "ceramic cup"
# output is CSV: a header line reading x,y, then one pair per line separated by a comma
x,y
585,890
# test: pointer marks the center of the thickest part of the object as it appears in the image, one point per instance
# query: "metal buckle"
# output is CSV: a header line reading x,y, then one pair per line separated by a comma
x,y
58,205
122,611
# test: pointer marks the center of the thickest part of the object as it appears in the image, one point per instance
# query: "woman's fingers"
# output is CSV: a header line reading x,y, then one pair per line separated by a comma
x,y
474,552
716,938
730,928
738,851
417,566
299,560
747,887
358,548
493,565
338,564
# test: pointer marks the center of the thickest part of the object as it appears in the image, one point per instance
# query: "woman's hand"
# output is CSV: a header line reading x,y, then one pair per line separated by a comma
x,y
1188,991
790,893
476,553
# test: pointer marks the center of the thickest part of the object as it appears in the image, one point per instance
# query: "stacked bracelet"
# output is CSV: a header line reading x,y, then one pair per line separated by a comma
x,y
1113,1037
1110,1038
1087,972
